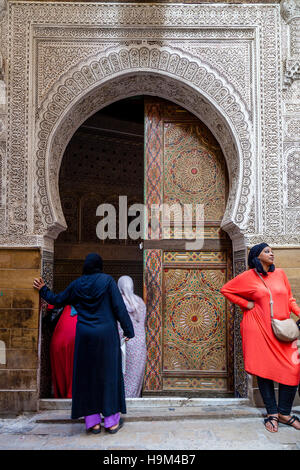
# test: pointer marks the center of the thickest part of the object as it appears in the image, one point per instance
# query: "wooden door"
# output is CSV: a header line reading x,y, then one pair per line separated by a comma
x,y
189,329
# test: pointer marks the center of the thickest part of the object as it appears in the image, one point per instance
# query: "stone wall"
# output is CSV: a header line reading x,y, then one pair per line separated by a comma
x,y
289,260
19,329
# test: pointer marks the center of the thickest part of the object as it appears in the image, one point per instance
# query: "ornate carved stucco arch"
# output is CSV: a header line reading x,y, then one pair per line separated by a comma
x,y
127,71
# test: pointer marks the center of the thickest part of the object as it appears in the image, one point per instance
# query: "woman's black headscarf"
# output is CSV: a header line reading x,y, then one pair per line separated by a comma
x,y
254,262
93,264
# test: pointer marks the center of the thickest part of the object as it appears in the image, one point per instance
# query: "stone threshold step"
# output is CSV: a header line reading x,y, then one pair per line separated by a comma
x,y
161,414
151,402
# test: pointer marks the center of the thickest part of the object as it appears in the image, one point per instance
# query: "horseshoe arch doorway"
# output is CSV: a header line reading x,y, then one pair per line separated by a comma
x,y
118,152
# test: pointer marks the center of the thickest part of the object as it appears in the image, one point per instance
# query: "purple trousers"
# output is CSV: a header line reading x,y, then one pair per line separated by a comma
x,y
109,421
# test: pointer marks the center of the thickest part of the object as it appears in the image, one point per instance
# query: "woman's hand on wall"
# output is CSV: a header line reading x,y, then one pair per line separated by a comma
x,y
38,283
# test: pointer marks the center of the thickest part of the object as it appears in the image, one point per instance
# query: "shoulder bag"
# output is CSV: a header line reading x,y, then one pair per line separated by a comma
x,y
284,330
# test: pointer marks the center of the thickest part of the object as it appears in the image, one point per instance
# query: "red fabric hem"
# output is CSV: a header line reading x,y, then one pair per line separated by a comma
x,y
270,377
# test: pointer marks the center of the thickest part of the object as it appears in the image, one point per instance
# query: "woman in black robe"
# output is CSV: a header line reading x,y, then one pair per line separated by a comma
x,y
98,385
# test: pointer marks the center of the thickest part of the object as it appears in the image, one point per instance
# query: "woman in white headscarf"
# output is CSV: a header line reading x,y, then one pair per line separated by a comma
x,y
136,348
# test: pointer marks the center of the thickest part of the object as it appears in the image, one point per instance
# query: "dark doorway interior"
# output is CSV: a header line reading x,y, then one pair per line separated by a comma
x,y
103,161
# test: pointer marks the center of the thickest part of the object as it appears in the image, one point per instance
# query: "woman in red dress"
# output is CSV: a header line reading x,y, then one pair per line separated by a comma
x,y
62,353
264,355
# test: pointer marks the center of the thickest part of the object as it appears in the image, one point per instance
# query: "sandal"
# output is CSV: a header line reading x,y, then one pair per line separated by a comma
x,y
269,419
291,421
92,430
120,425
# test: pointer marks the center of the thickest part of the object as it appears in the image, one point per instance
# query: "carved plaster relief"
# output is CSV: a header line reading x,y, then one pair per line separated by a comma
x,y
2,186
87,22
293,221
293,178
292,190
3,115
292,128
230,60
291,139
168,63
290,10
54,60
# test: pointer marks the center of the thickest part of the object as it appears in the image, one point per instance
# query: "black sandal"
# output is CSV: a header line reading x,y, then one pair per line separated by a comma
x,y
269,419
120,425
92,430
291,421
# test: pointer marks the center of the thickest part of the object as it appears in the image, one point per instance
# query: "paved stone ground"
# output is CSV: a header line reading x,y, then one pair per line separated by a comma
x,y
240,431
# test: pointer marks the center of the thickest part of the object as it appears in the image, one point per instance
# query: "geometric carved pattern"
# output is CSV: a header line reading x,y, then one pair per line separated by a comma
x,y
119,60
194,383
153,159
153,290
195,257
2,189
153,258
28,22
191,332
234,63
293,179
45,331
194,167
190,232
195,321
240,376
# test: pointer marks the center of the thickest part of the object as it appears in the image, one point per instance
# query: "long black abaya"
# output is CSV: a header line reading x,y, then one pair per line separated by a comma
x,y
97,373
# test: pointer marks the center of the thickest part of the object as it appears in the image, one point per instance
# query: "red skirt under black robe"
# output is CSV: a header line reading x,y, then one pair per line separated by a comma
x,y
62,354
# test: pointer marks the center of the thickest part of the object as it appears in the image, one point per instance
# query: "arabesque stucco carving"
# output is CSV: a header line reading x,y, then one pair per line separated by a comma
x,y
249,126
